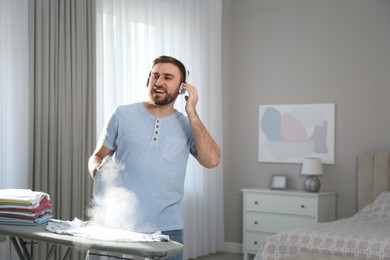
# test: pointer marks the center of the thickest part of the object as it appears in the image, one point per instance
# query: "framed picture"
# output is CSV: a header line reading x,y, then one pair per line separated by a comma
x,y
290,133
278,182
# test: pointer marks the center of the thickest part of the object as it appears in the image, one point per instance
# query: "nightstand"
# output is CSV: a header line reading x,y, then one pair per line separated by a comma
x,y
266,212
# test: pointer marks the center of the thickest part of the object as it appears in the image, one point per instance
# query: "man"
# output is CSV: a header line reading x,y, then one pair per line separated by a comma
x,y
153,142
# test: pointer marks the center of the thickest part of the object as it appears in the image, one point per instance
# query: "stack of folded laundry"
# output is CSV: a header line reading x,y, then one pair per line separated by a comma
x,y
24,207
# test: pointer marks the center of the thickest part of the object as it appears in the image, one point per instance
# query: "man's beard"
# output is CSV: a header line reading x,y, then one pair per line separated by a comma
x,y
169,98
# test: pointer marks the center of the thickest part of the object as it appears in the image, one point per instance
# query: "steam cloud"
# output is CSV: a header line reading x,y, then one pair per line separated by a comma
x,y
114,206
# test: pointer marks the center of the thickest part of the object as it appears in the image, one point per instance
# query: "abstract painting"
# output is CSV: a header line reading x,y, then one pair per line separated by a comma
x,y
290,133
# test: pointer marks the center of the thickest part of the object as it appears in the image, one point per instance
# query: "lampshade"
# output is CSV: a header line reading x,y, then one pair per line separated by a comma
x,y
312,166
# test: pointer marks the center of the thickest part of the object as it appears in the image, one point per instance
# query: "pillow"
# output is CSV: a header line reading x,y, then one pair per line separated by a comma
x,y
380,207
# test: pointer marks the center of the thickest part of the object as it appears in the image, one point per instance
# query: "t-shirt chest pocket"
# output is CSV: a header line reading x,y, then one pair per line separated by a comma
x,y
174,149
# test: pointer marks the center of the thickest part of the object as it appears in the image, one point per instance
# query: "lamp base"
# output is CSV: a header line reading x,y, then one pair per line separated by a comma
x,y
312,184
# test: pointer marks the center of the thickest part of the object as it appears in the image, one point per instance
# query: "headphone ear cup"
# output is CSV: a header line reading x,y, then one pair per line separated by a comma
x,y
147,82
186,75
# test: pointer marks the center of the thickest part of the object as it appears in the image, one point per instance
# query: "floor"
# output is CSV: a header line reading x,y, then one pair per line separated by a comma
x,y
221,256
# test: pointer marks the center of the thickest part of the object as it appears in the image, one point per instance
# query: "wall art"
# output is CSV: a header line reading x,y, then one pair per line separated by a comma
x,y
290,133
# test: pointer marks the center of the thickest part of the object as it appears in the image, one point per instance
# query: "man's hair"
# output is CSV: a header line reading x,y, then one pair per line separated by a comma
x,y
176,62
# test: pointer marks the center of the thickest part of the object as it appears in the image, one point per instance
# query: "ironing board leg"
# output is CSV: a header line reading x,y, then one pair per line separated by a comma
x,y
53,249
21,248
67,252
22,251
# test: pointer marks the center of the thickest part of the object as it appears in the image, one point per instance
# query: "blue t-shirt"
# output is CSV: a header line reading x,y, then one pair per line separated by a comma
x,y
154,153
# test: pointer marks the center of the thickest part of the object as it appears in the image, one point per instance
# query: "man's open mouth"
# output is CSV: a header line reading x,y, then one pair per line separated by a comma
x,y
159,90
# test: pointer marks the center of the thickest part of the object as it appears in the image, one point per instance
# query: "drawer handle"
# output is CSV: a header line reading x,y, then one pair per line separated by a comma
x,y
302,206
255,242
256,202
256,222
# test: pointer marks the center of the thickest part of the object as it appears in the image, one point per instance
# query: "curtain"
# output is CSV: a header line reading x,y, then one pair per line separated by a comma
x,y
15,139
14,94
63,82
130,34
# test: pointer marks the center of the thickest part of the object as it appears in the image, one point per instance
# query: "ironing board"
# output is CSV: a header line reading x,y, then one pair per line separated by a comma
x,y
153,250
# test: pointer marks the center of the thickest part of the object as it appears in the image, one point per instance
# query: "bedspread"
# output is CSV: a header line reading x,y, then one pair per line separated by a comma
x,y
366,235
358,236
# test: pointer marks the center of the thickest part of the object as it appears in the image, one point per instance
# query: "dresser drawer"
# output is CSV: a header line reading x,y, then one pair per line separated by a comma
x,y
274,223
253,241
266,212
296,205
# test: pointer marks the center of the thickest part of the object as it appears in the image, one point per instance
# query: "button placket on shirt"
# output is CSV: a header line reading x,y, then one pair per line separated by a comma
x,y
156,130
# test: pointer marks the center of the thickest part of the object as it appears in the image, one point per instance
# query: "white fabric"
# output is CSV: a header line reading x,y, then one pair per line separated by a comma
x,y
130,34
23,196
14,101
89,230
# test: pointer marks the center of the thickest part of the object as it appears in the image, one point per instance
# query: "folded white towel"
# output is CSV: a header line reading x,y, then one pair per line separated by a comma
x,y
21,196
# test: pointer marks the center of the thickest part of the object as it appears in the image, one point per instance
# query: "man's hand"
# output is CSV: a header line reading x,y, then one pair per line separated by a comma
x,y
191,99
205,150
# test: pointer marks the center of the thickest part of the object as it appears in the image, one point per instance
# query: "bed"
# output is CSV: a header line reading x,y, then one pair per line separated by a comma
x,y
366,235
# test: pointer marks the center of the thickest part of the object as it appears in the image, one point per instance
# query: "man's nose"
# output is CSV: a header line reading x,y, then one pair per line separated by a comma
x,y
159,81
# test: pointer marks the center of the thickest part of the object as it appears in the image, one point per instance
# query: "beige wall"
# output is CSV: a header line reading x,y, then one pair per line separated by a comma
x,y
296,52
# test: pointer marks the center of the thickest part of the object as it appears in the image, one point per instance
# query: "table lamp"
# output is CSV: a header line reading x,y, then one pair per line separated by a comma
x,y
313,168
